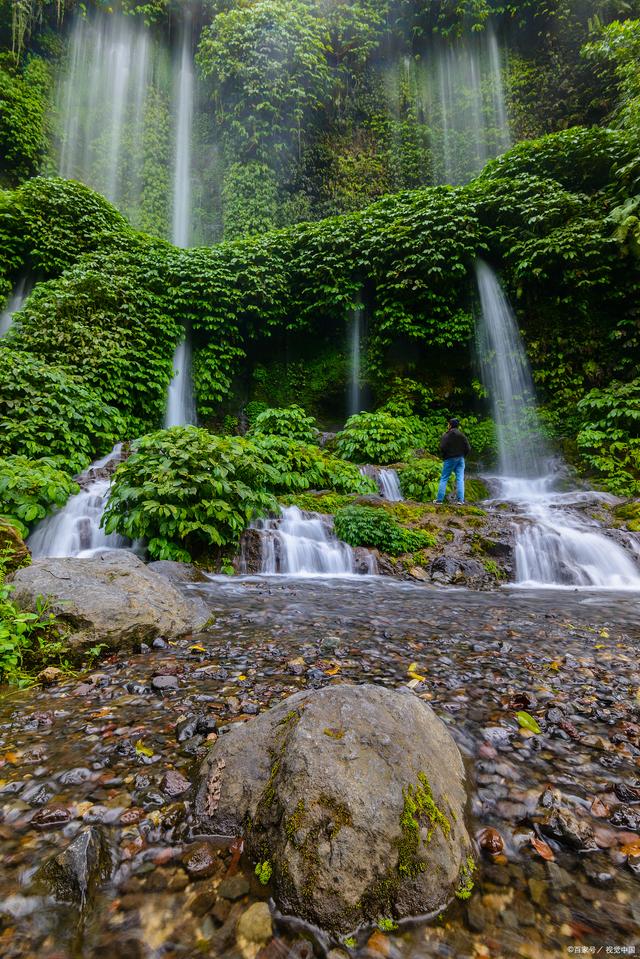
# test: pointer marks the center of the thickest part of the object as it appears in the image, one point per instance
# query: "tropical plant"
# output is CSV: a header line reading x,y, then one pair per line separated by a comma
x,y
609,441
28,640
295,467
292,422
186,492
378,438
29,489
375,528
419,479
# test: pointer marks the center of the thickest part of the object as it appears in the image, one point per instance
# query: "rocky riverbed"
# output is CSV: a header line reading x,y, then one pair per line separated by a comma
x,y
114,751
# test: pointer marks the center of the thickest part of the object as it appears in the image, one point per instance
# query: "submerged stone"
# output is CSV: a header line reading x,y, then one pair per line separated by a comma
x,y
353,826
75,874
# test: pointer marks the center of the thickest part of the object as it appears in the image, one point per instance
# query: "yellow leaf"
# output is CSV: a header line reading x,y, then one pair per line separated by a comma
x,y
143,750
197,649
413,672
599,646
554,665
604,633
241,677
332,672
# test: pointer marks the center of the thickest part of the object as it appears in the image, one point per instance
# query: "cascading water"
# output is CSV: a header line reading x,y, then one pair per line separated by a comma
x,y
302,544
15,302
555,545
387,480
181,409
102,99
355,386
75,529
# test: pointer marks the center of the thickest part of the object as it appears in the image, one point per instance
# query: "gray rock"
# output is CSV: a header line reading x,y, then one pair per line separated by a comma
x,y
75,874
177,572
112,598
355,797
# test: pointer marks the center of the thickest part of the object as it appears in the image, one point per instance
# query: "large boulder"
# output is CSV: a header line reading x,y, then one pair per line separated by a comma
x,y
351,799
112,598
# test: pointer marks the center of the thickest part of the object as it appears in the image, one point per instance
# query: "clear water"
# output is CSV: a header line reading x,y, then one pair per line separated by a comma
x,y
15,302
387,480
181,408
355,352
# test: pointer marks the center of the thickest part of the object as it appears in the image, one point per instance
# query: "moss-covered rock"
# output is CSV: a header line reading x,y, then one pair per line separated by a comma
x,y
14,552
354,796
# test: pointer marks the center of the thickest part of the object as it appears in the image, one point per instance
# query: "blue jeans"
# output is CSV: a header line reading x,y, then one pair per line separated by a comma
x,y
453,465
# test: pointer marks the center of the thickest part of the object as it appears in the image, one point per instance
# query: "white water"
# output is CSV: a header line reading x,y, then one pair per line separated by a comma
x,y
557,541
15,302
387,480
113,73
355,386
75,530
302,544
181,409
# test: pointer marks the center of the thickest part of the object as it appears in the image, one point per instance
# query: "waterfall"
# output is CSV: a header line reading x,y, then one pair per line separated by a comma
x,y
466,105
522,450
387,480
355,388
14,303
75,529
556,544
181,410
302,544
101,100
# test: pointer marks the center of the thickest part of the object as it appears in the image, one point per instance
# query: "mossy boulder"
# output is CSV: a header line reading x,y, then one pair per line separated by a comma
x,y
13,550
354,797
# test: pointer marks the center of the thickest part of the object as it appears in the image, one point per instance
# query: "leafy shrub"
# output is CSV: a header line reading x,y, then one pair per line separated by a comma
x,y
291,421
295,467
185,491
254,409
27,640
328,503
24,120
419,479
609,441
30,488
44,411
378,438
375,528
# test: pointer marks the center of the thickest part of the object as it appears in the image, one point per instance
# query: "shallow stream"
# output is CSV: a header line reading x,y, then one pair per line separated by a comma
x,y
103,749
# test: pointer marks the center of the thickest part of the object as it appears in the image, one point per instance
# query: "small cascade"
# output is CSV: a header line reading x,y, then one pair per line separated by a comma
x,y
15,302
355,385
181,407
387,480
75,529
302,544
556,544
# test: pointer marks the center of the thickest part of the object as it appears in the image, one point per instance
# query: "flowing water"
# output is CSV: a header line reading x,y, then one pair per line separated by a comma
x,y
75,529
96,752
557,543
303,544
355,352
14,303
387,480
181,407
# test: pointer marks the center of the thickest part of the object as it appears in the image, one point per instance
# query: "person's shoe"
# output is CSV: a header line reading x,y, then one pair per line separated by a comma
x,y
437,502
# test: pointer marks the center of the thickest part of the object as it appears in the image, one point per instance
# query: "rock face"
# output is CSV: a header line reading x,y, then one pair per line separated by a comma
x,y
112,598
351,798
75,874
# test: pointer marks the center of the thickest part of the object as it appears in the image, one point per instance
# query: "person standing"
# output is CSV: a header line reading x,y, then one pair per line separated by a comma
x,y
454,446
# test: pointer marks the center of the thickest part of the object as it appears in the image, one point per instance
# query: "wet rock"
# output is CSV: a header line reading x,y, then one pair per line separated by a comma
x,y
51,816
626,817
74,776
476,914
50,676
112,599
201,861
177,572
174,783
75,874
449,571
254,929
561,824
162,683
627,793
490,841
233,887
316,801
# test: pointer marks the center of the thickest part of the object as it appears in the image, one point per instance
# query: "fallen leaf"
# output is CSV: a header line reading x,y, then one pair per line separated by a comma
x,y
413,673
542,849
526,721
143,750
332,672
631,849
600,809
197,649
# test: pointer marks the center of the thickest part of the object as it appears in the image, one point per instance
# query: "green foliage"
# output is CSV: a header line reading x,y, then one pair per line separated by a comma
x,y
376,528
29,489
377,438
419,479
250,199
617,45
186,492
295,467
46,412
291,422
27,640
328,503
609,440
24,123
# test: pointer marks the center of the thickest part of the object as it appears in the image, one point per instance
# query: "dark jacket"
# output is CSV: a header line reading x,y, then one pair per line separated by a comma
x,y
454,443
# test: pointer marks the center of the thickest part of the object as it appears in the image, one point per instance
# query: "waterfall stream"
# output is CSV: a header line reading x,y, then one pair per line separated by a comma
x,y
75,529
14,303
303,544
355,385
556,544
387,480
